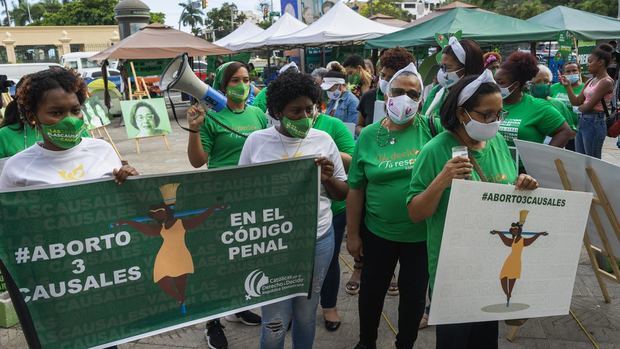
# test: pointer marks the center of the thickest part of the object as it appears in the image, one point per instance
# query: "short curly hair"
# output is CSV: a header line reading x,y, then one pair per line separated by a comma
x,y
32,89
521,67
134,109
396,58
288,87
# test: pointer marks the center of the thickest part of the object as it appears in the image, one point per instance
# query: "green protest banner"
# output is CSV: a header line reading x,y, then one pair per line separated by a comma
x,y
565,42
585,48
100,264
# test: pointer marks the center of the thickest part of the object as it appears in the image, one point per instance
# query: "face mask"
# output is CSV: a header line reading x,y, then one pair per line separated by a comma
x,y
66,133
479,130
383,85
238,93
573,78
447,79
540,90
401,109
334,94
505,91
297,128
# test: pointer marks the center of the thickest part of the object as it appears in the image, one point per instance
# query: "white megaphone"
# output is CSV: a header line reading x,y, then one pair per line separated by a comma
x,y
179,76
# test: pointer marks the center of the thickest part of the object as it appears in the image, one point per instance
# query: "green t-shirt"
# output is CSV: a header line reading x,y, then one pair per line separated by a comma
x,y
344,141
223,146
495,162
429,101
532,119
12,139
558,91
260,101
567,113
383,169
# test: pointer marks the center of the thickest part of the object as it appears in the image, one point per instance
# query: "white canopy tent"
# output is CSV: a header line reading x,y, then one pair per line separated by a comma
x,y
245,31
284,26
341,24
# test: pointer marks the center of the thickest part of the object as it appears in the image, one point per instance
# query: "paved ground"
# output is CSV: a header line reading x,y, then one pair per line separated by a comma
x,y
600,320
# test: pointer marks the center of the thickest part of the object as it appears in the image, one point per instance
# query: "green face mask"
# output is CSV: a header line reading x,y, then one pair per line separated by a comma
x,y
238,93
297,128
65,134
540,90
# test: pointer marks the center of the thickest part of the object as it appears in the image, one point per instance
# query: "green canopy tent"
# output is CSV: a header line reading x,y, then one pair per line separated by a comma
x,y
583,25
484,27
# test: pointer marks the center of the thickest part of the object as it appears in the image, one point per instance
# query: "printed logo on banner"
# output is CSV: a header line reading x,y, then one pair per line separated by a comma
x,y
257,284
254,283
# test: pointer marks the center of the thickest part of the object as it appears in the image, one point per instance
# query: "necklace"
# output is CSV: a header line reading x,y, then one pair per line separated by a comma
x,y
284,146
383,135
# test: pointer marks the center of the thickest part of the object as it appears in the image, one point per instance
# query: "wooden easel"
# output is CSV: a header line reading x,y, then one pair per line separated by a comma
x,y
139,94
107,135
6,98
599,199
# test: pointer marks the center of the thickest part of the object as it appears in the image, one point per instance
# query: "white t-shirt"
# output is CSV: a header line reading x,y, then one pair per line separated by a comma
x,y
91,159
269,145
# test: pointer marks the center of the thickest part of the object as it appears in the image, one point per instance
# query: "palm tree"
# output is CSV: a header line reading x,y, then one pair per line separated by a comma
x,y
7,13
23,13
190,15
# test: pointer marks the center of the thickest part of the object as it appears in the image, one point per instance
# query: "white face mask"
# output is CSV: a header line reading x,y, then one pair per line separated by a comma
x,y
448,79
383,86
479,130
334,94
401,109
505,91
573,78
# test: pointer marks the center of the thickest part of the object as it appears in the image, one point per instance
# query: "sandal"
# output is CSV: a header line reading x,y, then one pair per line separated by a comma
x,y
353,287
393,289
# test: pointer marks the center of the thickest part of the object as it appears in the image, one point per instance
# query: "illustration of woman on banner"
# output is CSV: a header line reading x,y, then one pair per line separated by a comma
x,y
511,270
173,261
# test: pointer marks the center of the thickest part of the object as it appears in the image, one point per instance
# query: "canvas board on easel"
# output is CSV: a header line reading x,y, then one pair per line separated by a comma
x,y
507,253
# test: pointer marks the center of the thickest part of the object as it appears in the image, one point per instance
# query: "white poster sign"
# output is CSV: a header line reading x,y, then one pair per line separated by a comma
x,y
539,162
507,254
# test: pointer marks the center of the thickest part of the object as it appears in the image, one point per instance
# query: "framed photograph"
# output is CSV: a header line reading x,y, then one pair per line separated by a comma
x,y
95,113
145,117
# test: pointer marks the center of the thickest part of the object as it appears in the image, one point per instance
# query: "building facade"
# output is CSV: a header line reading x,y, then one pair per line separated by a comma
x,y
31,44
420,8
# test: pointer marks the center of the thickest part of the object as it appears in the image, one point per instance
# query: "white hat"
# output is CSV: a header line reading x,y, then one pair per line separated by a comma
x,y
291,65
330,82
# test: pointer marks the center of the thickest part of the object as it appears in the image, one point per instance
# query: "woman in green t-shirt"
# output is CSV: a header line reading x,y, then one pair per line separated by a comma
x,y
459,58
378,179
218,137
471,117
529,118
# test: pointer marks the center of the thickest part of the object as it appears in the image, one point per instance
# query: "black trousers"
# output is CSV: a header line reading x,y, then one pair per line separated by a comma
x,y
380,258
472,335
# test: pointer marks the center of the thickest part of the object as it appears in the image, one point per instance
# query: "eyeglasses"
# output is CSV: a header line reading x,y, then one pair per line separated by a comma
x,y
492,117
413,94
447,70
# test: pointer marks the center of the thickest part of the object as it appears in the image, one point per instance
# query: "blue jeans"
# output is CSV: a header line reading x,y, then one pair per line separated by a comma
x,y
301,310
329,292
591,134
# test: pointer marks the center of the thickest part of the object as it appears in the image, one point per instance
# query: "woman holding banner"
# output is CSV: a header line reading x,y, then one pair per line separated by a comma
x,y
378,179
459,59
217,141
471,116
51,100
292,99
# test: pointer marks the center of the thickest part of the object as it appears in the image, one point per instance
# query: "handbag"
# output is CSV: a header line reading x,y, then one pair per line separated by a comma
x,y
612,121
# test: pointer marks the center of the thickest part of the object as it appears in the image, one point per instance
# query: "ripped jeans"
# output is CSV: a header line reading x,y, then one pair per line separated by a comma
x,y
300,310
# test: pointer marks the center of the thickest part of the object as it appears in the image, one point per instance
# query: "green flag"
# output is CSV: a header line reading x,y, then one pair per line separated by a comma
x,y
100,264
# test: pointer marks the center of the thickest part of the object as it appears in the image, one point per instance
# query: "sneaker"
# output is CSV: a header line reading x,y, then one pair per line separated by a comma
x,y
246,317
214,333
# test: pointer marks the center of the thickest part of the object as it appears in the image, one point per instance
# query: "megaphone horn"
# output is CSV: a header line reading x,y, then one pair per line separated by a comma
x,y
179,76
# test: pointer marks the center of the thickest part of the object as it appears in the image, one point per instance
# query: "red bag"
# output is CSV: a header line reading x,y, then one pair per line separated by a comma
x,y
613,130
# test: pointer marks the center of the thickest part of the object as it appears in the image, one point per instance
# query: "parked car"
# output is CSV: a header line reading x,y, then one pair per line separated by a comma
x,y
200,69
14,72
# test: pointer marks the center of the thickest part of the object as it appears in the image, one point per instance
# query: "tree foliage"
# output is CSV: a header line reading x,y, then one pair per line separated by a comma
x,y
158,17
530,8
384,7
219,19
82,12
191,16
